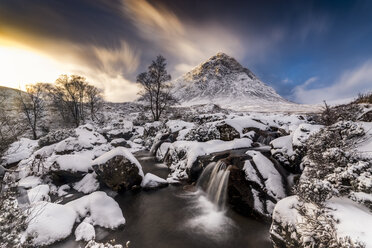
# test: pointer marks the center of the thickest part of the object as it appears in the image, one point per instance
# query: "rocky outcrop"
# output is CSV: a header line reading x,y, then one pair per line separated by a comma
x,y
118,169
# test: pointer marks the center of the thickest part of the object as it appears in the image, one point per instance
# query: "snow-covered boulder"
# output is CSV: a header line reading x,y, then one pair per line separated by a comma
x,y
71,168
50,222
119,142
151,181
162,151
152,128
182,155
85,231
56,136
98,209
118,169
19,150
39,193
255,184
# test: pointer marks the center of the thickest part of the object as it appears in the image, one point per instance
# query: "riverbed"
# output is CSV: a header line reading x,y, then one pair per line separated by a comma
x,y
177,216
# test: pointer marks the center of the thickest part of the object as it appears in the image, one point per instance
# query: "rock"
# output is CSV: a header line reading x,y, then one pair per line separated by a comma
x,y
118,169
56,136
151,129
152,181
84,231
227,132
120,142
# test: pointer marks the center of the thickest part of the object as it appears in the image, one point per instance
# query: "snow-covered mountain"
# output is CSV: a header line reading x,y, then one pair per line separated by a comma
x,y
222,80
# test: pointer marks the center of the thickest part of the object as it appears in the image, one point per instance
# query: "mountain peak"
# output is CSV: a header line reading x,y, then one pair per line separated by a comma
x,y
223,80
219,66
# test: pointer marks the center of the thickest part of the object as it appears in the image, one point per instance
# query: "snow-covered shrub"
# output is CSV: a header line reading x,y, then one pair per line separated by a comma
x,y
13,220
332,168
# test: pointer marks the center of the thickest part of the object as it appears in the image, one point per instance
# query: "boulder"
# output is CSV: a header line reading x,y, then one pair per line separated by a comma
x,y
152,181
118,169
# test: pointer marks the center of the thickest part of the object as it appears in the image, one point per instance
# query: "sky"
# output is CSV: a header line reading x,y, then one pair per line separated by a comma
x,y
308,51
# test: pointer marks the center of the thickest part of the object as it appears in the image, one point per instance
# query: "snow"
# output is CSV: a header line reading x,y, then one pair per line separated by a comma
x,y
152,181
282,144
285,211
118,151
302,133
250,173
85,231
88,184
364,146
62,190
75,162
29,182
50,222
102,210
273,179
19,150
177,125
162,150
39,193
354,220
241,122
196,149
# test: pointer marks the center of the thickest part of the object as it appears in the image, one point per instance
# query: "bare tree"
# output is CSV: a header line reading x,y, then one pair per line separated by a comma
x,y
156,90
71,91
94,100
31,105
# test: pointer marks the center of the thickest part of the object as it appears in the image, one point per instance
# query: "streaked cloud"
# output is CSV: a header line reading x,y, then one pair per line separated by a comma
x,y
351,82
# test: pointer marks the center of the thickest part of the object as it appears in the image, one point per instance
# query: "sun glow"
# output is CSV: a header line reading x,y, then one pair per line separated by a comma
x,y
20,67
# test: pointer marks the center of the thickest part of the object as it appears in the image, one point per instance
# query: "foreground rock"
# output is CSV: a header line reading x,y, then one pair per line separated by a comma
x,y
152,181
118,169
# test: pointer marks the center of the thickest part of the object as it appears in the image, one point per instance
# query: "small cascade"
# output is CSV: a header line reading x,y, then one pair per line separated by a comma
x,y
213,181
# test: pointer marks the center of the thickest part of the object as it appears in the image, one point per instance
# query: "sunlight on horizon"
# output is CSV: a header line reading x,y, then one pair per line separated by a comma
x,y
20,67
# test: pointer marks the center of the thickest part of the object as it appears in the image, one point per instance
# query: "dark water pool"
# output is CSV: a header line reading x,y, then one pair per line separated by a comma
x,y
177,218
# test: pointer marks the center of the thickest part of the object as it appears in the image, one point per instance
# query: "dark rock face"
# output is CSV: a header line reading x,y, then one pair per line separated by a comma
x,y
118,173
60,177
120,142
227,132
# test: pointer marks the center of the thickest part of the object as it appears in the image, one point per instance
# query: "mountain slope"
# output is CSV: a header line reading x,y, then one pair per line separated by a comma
x,y
222,80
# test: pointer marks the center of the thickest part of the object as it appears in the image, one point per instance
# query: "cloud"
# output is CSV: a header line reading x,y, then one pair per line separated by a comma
x,y
350,83
188,43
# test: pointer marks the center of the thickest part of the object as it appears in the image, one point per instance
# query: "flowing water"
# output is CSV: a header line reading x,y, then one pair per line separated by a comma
x,y
177,217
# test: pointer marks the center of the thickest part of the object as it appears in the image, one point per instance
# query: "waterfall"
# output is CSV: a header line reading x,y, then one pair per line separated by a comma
x,y
213,181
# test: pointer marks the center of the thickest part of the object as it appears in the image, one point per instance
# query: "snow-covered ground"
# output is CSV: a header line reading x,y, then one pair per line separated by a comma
x,y
65,191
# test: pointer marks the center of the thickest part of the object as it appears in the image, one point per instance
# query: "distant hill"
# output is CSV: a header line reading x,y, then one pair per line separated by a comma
x,y
10,96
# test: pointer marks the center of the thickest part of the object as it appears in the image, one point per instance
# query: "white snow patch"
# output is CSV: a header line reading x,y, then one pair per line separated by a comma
x,y
88,184
39,193
85,231
29,182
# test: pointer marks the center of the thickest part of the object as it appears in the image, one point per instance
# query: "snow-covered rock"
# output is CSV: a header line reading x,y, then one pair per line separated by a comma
x,y
118,169
39,193
85,231
182,154
50,222
88,184
29,182
98,209
151,181
19,150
